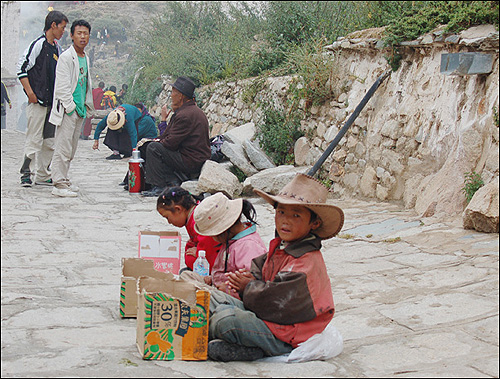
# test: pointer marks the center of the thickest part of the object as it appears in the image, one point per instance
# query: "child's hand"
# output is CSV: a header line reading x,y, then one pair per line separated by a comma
x,y
223,287
238,280
191,251
208,280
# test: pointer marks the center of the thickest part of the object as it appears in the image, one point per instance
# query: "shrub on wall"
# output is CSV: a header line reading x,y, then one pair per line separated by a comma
x,y
278,133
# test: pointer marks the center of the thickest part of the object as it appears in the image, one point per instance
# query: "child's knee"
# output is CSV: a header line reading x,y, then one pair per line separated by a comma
x,y
222,322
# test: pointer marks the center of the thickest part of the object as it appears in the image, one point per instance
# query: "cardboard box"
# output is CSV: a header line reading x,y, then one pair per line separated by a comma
x,y
172,320
133,269
163,248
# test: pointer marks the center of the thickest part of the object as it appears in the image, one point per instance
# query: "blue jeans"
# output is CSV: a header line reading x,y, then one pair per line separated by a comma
x,y
231,322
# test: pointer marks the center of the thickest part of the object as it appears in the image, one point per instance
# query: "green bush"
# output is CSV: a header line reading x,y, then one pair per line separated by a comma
x,y
291,24
202,40
472,183
317,73
214,41
278,133
238,173
421,17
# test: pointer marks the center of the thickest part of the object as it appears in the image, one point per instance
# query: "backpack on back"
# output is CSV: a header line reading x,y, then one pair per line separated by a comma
x,y
107,102
216,148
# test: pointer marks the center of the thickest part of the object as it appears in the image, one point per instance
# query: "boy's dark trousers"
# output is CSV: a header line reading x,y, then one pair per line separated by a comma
x,y
231,322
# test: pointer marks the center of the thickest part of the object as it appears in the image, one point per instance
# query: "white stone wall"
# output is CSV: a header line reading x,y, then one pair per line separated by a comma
x,y
11,11
414,140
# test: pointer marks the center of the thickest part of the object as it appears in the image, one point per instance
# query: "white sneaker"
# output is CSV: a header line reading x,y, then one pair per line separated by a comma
x,y
63,192
73,188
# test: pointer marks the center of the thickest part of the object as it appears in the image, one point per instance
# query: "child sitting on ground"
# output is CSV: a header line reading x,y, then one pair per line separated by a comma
x,y
287,295
177,206
219,217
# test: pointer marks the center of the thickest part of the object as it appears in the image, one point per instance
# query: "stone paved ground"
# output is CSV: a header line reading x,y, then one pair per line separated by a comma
x,y
414,297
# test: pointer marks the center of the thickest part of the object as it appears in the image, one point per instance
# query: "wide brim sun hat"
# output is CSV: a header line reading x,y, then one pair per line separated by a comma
x,y
216,214
116,118
306,191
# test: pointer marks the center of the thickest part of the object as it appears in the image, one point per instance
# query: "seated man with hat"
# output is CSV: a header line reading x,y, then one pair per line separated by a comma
x,y
183,147
126,126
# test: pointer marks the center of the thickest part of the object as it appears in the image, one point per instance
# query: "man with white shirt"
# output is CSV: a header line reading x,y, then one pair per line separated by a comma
x,y
72,101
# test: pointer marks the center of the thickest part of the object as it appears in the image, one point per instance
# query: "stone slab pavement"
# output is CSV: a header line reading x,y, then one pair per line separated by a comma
x,y
414,297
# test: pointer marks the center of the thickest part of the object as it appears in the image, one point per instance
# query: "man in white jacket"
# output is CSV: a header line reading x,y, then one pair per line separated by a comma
x,y
72,101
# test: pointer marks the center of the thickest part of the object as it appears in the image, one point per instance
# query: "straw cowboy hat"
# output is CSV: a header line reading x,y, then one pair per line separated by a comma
x,y
216,214
116,118
306,191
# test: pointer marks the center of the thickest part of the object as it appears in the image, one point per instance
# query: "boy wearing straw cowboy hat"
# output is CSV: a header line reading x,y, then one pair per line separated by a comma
x,y
286,296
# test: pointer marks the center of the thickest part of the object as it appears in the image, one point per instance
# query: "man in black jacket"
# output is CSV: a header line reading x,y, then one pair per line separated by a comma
x,y
183,147
36,72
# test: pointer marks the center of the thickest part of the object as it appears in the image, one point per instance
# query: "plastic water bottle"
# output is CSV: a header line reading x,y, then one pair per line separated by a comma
x,y
201,265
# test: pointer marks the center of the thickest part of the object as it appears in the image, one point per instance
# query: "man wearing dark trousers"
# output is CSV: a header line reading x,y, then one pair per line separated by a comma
x,y
183,147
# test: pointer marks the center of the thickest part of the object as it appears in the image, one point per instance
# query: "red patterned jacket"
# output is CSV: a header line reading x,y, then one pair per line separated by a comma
x,y
292,293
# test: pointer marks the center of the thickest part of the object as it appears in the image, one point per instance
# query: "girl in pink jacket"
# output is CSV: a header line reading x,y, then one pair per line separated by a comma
x,y
220,218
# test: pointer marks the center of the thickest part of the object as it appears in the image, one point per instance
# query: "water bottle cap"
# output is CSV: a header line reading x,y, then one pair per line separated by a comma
x,y
136,154
201,253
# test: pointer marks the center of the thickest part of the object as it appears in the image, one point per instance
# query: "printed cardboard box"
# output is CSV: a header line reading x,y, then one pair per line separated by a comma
x,y
163,248
132,269
172,320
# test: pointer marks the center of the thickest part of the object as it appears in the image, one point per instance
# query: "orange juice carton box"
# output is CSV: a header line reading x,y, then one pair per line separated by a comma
x,y
172,320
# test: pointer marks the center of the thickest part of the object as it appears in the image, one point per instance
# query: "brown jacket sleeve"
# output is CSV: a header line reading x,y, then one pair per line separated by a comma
x,y
188,133
273,301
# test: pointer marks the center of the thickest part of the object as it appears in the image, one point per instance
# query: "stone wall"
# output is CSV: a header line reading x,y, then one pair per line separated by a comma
x,y
11,16
414,140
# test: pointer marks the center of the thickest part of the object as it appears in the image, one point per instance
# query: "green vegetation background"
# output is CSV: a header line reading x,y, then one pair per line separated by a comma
x,y
211,41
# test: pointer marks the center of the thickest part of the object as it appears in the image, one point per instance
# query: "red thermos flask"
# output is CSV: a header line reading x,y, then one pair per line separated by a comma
x,y
135,173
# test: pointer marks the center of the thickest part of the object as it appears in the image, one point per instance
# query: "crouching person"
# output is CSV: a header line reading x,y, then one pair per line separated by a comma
x,y
286,297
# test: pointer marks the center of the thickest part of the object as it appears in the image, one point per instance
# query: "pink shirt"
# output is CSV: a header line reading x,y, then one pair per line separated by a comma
x,y
243,247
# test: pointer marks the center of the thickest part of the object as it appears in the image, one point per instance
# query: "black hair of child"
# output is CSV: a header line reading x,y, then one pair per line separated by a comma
x,y
173,196
249,211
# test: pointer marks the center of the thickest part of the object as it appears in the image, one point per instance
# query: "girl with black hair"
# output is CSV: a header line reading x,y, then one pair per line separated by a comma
x,y
177,206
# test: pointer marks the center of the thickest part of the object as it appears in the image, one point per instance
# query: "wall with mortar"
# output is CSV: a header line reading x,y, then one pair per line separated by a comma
x,y
414,140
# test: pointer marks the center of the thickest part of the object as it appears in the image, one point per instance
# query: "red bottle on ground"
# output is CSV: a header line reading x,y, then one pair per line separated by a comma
x,y
135,173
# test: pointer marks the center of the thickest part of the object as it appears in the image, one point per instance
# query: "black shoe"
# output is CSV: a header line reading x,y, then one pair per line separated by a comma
x,y
154,192
127,155
26,181
220,350
114,156
123,183
47,182
125,187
